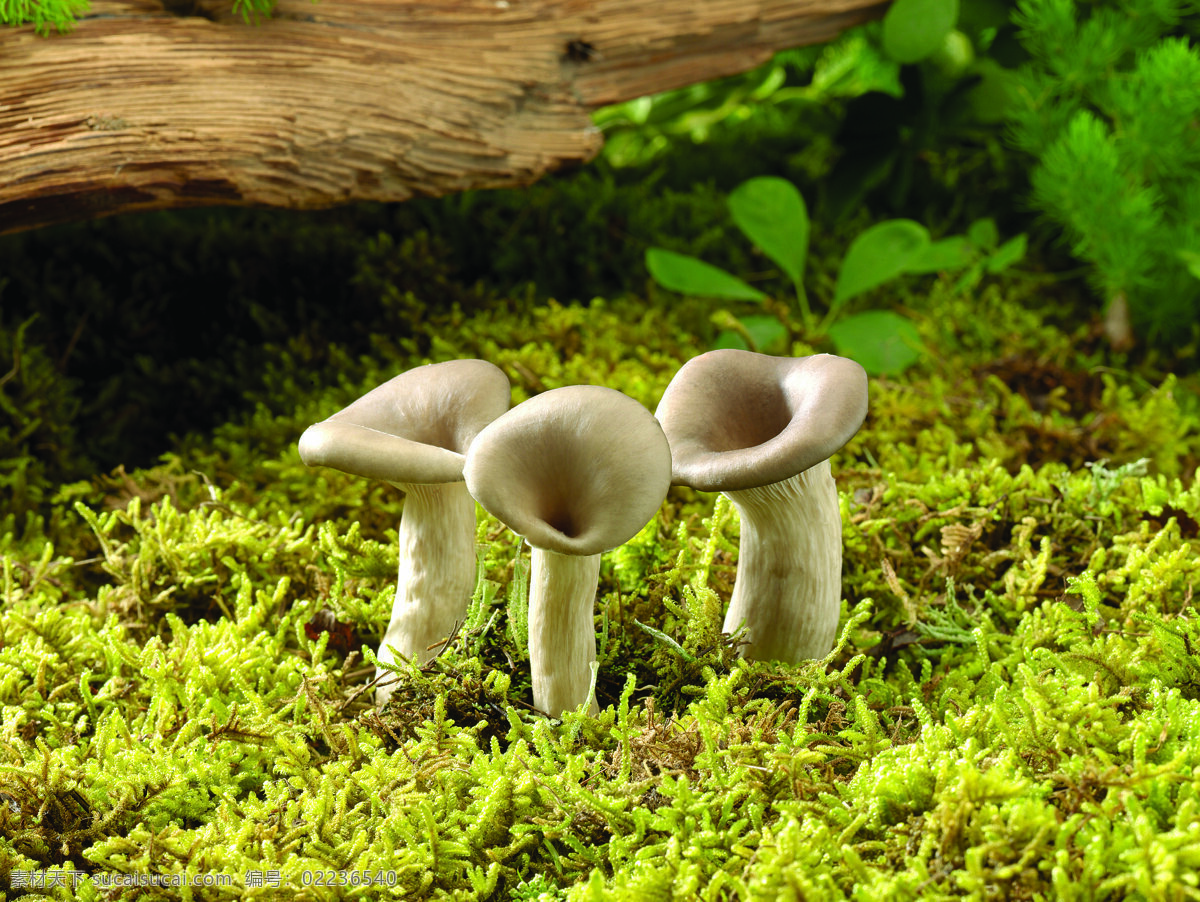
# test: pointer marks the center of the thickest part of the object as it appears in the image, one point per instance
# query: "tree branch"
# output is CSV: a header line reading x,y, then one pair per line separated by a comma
x,y
143,107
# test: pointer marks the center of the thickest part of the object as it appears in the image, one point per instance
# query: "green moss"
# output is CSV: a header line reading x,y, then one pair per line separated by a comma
x,y
186,651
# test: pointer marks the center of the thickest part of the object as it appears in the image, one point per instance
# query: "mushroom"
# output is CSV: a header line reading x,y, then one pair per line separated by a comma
x,y
413,432
761,429
577,471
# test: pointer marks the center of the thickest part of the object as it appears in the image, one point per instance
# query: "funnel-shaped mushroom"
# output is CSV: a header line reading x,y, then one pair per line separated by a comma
x,y
761,430
413,431
576,471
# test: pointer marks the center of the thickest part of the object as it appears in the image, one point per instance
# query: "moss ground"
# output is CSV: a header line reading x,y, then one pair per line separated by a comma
x,y
1012,712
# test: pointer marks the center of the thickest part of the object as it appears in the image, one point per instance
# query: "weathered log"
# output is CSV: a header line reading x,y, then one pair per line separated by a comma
x,y
145,106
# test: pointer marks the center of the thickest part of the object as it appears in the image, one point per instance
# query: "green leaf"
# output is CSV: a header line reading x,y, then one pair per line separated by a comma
x,y
983,233
914,29
992,98
1010,252
882,252
955,57
767,335
771,213
882,341
728,339
667,640
687,275
946,255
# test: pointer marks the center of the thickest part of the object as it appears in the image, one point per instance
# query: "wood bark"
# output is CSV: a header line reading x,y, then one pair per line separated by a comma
x,y
145,106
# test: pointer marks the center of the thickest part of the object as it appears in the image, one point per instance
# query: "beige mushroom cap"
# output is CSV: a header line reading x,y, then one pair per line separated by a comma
x,y
576,470
739,420
414,429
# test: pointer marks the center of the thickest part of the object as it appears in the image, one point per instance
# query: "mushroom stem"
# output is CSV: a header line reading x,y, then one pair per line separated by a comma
x,y
436,575
562,633
788,589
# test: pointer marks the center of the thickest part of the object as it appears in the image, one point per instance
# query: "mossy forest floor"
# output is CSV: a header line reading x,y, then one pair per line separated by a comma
x,y
1012,712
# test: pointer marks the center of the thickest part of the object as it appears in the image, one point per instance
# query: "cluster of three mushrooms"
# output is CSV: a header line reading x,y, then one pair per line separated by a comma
x,y
576,471
579,470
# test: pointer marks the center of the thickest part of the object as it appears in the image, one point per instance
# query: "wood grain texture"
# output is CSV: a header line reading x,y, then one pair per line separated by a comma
x,y
144,107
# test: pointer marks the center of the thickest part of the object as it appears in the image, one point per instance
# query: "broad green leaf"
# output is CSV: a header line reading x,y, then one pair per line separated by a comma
x,y
767,333
913,29
946,255
770,336
882,252
629,147
882,341
983,233
955,56
728,339
991,99
687,275
770,212
1010,252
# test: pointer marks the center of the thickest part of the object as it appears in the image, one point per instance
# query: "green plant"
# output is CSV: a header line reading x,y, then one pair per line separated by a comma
x,y
38,415
183,680
771,212
61,15
794,85
931,147
1108,107
42,14
914,30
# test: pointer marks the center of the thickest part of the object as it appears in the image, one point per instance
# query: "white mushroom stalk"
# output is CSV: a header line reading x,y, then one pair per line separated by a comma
x,y
576,471
413,432
434,582
788,589
562,631
761,430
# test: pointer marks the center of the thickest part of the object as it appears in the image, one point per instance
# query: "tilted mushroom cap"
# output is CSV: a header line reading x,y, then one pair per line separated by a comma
x,y
413,429
739,420
577,470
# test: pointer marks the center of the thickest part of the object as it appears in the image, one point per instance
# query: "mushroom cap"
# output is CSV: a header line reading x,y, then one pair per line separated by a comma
x,y
739,420
577,470
413,429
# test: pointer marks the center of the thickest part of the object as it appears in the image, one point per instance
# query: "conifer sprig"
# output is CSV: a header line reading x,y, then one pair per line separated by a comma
x,y
43,15
1108,107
